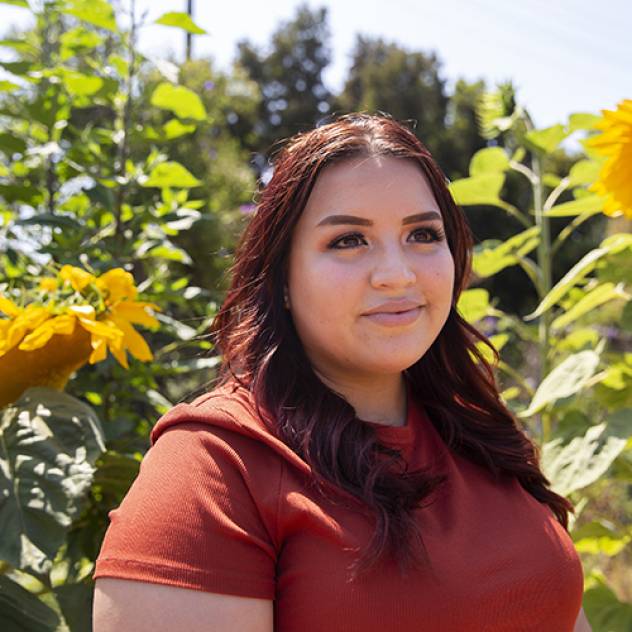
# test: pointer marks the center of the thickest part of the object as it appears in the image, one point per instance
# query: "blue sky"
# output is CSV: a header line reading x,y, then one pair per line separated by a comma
x,y
564,55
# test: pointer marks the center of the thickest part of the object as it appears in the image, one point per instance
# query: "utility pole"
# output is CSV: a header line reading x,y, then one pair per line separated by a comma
x,y
189,35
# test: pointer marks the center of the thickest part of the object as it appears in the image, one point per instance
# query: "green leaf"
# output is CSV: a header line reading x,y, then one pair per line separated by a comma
x,y
180,20
97,12
11,144
184,103
626,317
168,251
564,380
50,442
171,174
604,610
8,86
473,304
596,297
614,243
589,204
596,537
23,611
583,460
75,601
79,85
174,129
50,219
17,67
16,3
489,160
547,139
490,258
483,189
582,120
78,38
584,172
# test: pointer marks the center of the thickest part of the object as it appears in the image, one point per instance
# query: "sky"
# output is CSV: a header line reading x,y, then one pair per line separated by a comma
x,y
563,56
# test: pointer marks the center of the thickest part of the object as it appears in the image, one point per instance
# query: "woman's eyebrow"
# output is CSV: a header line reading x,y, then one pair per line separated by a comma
x,y
361,221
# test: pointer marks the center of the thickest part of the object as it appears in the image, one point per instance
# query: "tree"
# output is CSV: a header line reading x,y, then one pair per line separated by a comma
x,y
289,75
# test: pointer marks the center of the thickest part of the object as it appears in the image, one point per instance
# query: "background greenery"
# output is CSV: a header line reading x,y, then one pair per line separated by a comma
x,y
108,159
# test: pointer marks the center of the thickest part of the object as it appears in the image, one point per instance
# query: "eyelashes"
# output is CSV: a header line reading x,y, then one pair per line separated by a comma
x,y
435,235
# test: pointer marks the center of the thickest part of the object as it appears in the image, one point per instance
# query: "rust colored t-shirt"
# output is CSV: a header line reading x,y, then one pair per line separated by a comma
x,y
221,505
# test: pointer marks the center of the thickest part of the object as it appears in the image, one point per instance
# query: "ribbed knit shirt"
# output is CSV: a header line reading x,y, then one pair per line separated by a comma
x,y
222,505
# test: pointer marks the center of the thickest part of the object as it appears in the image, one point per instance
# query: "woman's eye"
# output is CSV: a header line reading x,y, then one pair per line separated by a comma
x,y
352,237
432,234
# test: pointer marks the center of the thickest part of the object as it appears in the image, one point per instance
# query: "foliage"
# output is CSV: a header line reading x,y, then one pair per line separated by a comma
x,y
113,161
579,406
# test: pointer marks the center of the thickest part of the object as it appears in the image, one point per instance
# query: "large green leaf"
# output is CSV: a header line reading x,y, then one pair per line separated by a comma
x,y
583,172
604,610
97,12
184,103
564,380
588,204
597,537
473,304
482,189
579,463
596,297
49,444
79,85
16,3
612,244
174,129
547,139
75,601
180,20
22,611
171,174
50,219
491,257
582,120
489,160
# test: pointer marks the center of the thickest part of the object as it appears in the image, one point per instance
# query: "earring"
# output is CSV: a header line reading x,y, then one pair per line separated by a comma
x,y
286,298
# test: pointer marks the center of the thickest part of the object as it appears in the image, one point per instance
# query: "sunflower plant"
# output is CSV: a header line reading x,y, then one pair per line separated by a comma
x,y
67,320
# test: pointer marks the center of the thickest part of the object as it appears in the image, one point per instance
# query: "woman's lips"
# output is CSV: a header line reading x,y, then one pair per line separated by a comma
x,y
395,319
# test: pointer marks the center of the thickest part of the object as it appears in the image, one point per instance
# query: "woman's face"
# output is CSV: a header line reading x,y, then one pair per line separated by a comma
x,y
388,247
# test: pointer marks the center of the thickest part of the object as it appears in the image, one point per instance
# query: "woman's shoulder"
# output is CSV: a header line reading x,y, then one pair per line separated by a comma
x,y
229,413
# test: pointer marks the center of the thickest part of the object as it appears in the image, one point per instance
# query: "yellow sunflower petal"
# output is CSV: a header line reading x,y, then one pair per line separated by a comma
x,y
117,284
48,283
77,277
134,311
134,342
9,307
63,324
119,354
99,349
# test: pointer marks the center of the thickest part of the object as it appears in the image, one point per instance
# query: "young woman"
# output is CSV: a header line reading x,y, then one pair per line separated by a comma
x,y
354,469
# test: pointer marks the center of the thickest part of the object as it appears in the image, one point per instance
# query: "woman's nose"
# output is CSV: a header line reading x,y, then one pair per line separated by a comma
x,y
393,270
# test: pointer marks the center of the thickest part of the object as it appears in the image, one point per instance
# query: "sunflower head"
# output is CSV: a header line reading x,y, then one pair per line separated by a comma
x,y
67,321
615,143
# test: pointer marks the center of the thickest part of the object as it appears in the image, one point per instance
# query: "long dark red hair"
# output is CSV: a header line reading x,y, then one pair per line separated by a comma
x,y
452,380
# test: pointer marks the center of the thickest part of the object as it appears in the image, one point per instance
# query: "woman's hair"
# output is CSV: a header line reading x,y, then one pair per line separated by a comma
x,y
452,380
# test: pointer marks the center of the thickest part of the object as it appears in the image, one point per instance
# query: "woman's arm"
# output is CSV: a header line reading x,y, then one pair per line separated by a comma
x,y
121,604
582,625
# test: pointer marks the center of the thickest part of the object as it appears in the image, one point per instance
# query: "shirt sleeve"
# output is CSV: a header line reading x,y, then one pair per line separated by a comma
x,y
193,518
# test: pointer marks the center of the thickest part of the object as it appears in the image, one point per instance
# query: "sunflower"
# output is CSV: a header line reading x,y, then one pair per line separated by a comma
x,y
77,318
615,142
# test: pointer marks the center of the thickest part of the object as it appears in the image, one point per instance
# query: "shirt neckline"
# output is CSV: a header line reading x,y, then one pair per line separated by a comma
x,y
400,435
